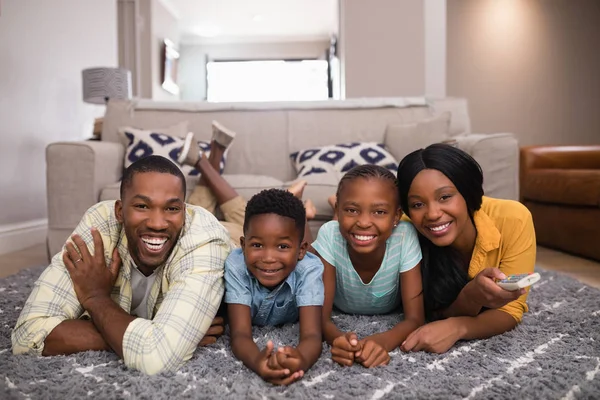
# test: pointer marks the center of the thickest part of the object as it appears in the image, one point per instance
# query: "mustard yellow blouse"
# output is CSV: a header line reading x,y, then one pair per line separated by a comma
x,y
505,240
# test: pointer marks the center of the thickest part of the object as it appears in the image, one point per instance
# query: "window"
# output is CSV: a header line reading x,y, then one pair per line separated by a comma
x,y
267,80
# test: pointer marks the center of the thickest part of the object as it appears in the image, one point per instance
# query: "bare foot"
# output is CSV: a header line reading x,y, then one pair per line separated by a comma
x,y
311,210
297,188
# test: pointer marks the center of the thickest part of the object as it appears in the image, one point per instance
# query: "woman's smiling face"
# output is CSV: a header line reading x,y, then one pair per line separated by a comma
x,y
439,211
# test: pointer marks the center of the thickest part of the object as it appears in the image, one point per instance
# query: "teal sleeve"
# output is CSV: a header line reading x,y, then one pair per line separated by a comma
x,y
411,249
324,242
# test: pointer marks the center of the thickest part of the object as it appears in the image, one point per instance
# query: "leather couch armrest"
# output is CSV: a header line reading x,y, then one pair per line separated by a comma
x,y
558,157
76,172
561,157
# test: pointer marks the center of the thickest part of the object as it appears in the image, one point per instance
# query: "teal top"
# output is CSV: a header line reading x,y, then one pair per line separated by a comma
x,y
382,294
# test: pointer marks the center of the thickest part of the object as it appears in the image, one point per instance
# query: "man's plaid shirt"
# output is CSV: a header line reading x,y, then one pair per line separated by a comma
x,y
183,301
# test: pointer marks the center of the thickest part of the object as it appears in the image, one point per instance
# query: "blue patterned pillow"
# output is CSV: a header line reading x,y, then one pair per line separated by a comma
x,y
140,143
341,158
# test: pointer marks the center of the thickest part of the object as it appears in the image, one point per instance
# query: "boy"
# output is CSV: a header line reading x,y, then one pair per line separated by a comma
x,y
272,280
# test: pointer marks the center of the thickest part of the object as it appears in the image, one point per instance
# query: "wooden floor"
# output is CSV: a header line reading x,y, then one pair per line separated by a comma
x,y
586,271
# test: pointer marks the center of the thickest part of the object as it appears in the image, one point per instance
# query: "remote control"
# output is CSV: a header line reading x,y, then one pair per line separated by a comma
x,y
519,281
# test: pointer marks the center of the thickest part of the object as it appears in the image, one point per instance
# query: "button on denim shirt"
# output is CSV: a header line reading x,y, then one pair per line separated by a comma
x,y
303,287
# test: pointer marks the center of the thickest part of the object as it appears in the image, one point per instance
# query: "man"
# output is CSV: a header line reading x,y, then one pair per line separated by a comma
x,y
142,276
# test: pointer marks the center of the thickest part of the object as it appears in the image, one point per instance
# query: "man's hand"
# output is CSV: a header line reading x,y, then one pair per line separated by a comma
x,y
344,347
217,327
289,358
271,372
371,354
484,291
435,337
91,278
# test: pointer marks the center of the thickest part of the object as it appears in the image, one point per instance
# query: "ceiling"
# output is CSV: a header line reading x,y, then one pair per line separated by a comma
x,y
206,21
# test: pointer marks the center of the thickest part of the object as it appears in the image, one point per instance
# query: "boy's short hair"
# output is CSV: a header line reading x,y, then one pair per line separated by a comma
x,y
279,202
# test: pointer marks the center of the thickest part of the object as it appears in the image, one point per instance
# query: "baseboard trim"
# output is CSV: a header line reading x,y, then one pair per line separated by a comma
x,y
19,236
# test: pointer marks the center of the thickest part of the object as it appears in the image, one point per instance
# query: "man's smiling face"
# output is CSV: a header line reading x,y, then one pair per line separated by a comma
x,y
152,212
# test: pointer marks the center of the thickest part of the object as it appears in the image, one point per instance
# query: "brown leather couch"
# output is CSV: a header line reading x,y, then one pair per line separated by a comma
x,y
561,187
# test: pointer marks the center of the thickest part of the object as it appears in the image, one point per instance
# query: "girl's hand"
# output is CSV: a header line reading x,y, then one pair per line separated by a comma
x,y
484,291
435,337
372,354
277,375
343,349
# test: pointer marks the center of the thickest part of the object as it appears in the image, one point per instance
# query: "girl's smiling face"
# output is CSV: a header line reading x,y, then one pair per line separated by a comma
x,y
439,211
367,211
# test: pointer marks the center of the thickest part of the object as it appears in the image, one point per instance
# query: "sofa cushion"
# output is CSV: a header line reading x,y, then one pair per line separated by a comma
x,y
245,185
578,187
248,185
318,189
140,143
341,158
403,139
460,123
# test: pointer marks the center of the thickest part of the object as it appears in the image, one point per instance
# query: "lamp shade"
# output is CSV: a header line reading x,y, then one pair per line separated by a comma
x,y
101,84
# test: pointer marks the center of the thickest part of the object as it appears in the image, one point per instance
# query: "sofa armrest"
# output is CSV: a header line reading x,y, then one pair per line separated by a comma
x,y
498,156
560,157
557,157
76,172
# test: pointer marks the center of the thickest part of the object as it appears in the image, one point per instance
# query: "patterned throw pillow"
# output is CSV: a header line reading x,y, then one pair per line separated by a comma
x,y
140,143
340,158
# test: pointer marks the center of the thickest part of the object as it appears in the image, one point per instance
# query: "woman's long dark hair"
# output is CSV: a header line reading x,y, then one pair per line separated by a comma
x,y
443,269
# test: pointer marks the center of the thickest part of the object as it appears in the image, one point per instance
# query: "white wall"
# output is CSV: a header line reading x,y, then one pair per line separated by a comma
x,y
382,45
44,45
435,48
192,68
531,67
164,26
142,29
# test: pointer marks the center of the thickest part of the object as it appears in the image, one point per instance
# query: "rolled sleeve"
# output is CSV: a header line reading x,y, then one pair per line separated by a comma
x,y
194,294
237,282
324,242
310,289
53,298
411,249
520,259
52,301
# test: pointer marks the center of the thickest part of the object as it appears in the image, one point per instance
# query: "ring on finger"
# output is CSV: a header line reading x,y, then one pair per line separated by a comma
x,y
79,259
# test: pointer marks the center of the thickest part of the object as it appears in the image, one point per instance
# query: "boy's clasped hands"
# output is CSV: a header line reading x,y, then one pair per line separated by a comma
x,y
280,367
347,350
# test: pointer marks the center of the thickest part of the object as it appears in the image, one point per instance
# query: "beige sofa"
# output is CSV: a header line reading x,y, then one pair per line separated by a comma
x,y
80,174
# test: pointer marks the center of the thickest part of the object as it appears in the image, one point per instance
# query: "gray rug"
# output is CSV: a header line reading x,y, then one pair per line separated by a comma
x,y
553,354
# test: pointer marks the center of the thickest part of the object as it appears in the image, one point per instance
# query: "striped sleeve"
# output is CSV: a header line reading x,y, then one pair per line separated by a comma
x,y
410,249
53,299
324,242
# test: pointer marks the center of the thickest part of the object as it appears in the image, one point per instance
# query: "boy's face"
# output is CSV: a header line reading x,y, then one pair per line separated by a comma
x,y
272,248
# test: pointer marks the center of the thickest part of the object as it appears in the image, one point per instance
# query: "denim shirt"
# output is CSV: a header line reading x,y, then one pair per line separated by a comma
x,y
303,287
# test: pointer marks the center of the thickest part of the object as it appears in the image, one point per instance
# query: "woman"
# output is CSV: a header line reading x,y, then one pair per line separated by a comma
x,y
468,242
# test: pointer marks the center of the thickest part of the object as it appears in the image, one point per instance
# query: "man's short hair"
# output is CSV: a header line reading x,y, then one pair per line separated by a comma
x,y
151,164
279,202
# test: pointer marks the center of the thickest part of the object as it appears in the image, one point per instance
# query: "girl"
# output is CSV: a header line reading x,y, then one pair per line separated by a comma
x,y
366,253
468,241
